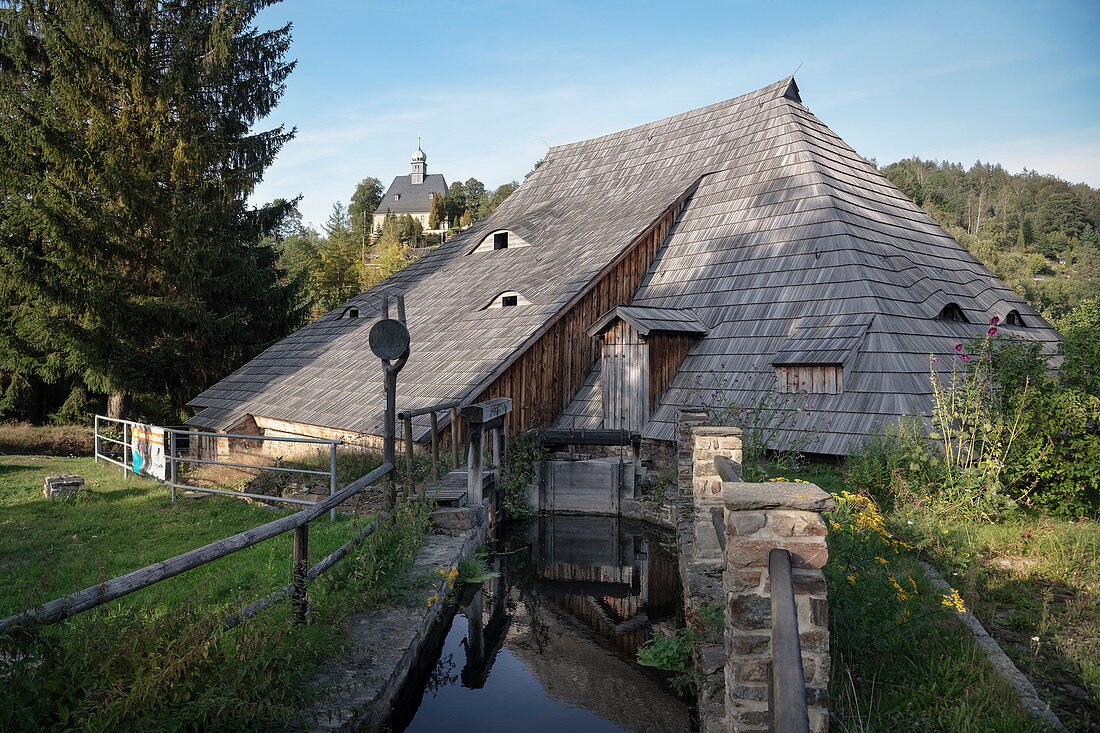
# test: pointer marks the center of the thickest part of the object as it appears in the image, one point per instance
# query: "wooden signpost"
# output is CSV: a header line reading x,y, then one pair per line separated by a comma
x,y
389,341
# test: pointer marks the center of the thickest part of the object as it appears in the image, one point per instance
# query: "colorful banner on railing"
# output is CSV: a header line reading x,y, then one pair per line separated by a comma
x,y
147,450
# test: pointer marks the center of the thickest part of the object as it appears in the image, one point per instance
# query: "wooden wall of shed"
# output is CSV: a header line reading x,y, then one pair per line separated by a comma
x,y
543,380
624,378
666,353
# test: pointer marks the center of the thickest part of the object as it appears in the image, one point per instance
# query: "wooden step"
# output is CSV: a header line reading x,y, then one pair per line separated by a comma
x,y
451,489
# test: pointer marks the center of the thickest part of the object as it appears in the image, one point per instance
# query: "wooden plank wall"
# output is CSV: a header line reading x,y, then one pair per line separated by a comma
x,y
543,379
624,377
666,353
812,378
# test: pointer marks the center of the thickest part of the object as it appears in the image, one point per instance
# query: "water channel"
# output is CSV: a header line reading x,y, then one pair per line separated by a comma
x,y
550,644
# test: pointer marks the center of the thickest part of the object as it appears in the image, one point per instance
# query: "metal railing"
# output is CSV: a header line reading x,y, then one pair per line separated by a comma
x,y
87,599
174,459
786,684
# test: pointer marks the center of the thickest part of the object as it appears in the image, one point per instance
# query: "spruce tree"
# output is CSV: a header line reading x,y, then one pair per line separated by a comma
x,y
127,152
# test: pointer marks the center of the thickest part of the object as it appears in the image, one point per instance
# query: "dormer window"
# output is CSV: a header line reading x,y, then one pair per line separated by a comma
x,y
350,312
507,299
952,312
1015,319
500,239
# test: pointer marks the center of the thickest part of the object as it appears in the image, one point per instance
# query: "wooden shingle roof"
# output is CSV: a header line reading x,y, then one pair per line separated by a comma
x,y
650,320
791,246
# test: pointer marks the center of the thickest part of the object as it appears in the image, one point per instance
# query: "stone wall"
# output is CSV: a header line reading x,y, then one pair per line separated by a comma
x,y
700,555
758,518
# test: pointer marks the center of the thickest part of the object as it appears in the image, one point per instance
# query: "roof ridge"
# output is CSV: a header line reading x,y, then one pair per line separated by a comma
x,y
782,85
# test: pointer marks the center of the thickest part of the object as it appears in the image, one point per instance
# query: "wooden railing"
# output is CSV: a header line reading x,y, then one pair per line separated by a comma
x,y
480,419
453,407
786,684
298,523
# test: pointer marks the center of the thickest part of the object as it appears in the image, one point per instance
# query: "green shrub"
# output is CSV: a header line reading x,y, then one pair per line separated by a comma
x,y
518,471
673,652
895,459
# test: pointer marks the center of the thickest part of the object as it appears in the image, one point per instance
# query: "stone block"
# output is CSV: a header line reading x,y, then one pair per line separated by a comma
x,y
737,581
750,644
753,718
63,485
749,612
817,696
779,495
796,524
814,641
456,520
819,612
819,721
808,582
740,524
757,693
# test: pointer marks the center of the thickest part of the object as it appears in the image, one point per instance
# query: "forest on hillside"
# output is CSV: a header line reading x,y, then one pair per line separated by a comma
x,y
1036,232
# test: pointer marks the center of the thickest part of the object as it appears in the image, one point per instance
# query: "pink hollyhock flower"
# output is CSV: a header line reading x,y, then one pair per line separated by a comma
x,y
989,357
994,320
958,347
965,357
992,331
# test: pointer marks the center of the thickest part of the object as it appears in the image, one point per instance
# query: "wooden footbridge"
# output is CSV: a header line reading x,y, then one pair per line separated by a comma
x,y
486,433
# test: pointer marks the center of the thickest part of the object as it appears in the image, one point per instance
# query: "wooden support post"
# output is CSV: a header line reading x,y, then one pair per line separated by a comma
x,y
494,451
473,469
389,429
435,446
457,459
389,425
298,573
410,479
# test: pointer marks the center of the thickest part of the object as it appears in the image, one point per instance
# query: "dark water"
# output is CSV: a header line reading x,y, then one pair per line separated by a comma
x,y
550,644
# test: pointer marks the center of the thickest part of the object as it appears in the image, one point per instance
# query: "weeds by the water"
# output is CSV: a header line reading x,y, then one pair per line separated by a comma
x,y
673,652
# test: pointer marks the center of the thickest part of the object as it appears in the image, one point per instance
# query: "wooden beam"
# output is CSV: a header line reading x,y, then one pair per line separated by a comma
x,y
483,412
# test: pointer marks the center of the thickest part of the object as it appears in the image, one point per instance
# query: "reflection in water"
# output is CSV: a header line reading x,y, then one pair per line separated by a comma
x,y
550,644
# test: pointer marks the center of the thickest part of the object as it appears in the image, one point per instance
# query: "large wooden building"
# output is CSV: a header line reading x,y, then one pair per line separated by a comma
x,y
690,260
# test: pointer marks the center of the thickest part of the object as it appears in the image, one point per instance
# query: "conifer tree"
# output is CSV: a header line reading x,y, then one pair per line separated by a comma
x,y
127,152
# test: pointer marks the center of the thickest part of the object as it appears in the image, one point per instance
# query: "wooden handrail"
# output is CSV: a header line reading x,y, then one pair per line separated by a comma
x,y
787,698
96,595
439,407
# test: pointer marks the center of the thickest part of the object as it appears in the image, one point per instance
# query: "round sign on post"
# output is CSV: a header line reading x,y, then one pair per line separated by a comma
x,y
389,339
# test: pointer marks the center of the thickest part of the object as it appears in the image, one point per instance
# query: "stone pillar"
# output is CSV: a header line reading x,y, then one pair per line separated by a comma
x,y
710,441
760,517
685,445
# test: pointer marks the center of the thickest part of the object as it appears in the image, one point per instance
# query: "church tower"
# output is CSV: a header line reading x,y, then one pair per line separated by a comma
x,y
419,165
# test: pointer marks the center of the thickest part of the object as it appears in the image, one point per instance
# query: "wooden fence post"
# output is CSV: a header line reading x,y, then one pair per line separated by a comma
x,y
435,447
454,438
298,573
473,469
410,479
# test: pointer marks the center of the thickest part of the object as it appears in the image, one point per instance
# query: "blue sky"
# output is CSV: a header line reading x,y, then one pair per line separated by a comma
x,y
490,85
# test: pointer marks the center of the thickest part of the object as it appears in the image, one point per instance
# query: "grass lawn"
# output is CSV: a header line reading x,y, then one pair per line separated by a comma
x,y
1035,586
50,548
158,659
